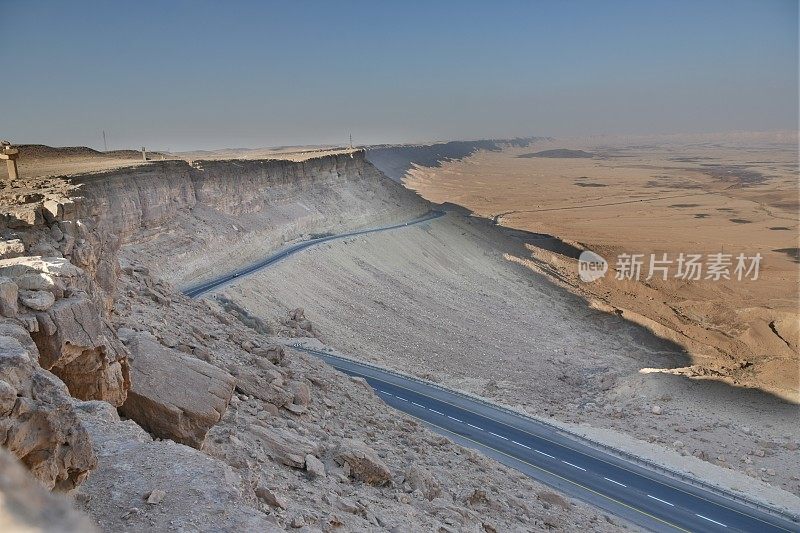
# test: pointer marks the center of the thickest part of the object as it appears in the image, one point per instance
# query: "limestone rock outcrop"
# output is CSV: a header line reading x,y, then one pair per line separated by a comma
x,y
172,395
38,424
67,325
73,345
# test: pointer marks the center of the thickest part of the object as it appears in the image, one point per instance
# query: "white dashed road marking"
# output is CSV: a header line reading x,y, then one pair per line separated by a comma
x,y
547,454
435,411
456,419
574,466
474,426
520,444
401,398
418,405
662,501
498,436
617,482
707,518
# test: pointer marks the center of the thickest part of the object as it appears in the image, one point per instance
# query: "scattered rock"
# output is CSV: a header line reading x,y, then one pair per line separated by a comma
x,y
314,467
656,410
156,496
205,494
362,463
270,498
552,498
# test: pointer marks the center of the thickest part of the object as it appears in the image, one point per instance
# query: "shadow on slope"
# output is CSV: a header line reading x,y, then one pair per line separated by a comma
x,y
396,160
670,357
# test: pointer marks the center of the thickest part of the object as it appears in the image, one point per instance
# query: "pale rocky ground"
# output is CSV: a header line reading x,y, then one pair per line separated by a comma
x,y
430,483
448,302
260,438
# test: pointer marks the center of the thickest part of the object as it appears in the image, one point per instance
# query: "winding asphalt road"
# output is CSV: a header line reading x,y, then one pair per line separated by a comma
x,y
624,488
204,288
619,486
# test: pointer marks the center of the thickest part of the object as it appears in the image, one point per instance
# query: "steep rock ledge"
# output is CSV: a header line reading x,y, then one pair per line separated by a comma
x,y
87,260
180,219
62,239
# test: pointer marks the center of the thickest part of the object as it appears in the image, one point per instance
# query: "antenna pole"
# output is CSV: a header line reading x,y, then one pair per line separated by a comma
x,y
105,144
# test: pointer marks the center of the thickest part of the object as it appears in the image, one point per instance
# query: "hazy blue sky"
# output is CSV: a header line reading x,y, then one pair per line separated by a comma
x,y
194,74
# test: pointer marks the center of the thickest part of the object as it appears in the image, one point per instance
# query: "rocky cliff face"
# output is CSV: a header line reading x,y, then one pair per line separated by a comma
x,y
185,215
59,269
62,240
225,430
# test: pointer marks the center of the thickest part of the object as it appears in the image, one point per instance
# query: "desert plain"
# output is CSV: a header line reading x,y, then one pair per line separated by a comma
x,y
673,196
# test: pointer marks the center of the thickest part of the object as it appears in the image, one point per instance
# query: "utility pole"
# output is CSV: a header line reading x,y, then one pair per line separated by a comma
x,y
105,144
351,141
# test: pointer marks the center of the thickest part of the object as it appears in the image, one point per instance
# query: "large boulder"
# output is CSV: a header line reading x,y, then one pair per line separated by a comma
x,y
77,345
26,506
195,492
38,424
172,395
362,463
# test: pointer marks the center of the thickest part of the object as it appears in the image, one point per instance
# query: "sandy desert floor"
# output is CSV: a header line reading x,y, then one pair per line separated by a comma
x,y
697,196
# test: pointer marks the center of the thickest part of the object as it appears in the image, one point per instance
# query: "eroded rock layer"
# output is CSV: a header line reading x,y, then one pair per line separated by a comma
x,y
223,428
